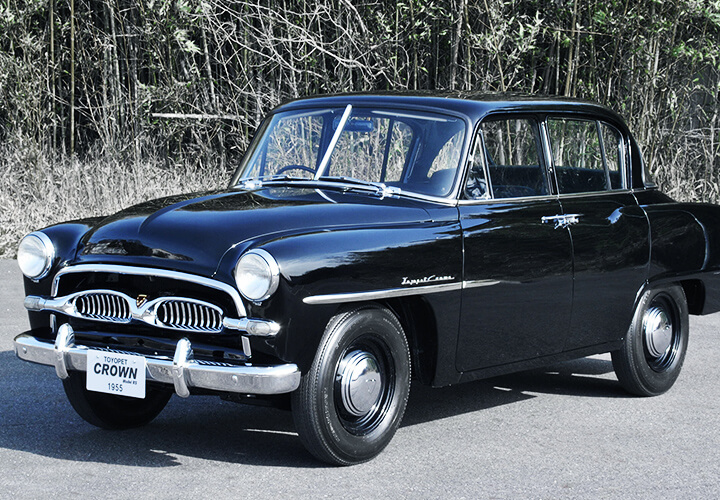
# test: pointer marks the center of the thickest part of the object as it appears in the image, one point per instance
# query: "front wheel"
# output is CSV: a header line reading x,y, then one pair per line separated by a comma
x,y
109,411
351,401
654,349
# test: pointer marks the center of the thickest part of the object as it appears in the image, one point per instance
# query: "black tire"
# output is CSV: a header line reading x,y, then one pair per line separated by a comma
x,y
338,423
654,348
109,411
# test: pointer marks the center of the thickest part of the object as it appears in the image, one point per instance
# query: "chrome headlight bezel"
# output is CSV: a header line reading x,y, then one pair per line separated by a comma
x,y
257,275
39,247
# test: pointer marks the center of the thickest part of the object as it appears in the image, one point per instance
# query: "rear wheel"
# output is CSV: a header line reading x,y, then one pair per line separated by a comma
x,y
654,349
109,411
351,401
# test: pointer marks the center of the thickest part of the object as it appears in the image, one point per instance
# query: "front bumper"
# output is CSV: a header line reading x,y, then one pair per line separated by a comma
x,y
183,372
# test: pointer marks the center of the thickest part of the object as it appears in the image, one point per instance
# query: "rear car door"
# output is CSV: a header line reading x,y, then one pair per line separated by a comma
x,y
609,230
517,291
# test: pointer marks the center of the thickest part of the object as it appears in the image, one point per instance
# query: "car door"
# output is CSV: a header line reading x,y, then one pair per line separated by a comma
x,y
609,230
517,288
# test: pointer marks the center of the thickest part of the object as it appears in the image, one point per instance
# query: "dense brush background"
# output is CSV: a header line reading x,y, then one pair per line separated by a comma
x,y
104,103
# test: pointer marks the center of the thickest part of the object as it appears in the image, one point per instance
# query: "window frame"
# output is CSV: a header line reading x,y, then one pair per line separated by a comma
x,y
536,121
599,122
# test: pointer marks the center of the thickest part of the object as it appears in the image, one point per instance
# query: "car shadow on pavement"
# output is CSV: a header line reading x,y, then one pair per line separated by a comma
x,y
579,377
37,418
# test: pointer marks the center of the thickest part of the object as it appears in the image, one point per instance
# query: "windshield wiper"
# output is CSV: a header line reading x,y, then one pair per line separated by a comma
x,y
378,187
257,182
345,183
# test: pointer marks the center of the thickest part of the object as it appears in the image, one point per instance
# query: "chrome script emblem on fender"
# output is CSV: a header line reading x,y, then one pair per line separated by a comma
x,y
423,281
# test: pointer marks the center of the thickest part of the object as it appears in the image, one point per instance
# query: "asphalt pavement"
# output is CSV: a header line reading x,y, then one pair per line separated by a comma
x,y
567,431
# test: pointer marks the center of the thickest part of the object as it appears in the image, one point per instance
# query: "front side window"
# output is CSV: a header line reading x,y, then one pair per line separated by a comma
x,y
512,155
587,155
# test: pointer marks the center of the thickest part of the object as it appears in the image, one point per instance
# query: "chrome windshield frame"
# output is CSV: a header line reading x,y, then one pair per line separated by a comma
x,y
257,182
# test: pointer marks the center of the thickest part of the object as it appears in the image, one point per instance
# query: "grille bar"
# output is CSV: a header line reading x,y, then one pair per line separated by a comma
x,y
103,306
177,313
190,315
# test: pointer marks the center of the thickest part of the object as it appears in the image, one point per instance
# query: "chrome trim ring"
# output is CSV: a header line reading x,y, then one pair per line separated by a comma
x,y
146,271
657,331
49,257
274,273
367,361
360,382
661,334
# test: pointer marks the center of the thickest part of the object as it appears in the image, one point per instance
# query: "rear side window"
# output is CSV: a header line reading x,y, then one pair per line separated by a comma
x,y
587,155
512,155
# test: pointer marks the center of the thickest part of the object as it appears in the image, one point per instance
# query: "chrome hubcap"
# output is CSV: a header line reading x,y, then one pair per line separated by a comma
x,y
360,382
657,331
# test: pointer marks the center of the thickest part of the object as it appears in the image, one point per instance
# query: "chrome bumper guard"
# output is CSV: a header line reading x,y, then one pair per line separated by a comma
x,y
183,372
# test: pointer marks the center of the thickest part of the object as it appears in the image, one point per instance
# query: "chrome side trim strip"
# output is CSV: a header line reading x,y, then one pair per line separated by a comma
x,y
480,283
148,271
339,298
241,379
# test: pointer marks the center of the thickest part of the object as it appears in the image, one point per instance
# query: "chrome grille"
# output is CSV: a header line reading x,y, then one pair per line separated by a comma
x,y
185,314
103,306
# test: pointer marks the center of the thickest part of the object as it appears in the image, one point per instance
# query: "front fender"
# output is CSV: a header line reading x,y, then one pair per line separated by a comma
x,y
351,260
65,238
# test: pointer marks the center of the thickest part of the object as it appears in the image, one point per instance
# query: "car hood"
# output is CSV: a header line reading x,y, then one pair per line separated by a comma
x,y
192,232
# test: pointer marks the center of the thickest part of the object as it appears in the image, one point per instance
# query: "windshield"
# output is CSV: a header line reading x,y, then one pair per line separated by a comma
x,y
410,150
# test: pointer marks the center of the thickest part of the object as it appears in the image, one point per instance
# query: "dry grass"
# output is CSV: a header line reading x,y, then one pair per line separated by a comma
x,y
37,191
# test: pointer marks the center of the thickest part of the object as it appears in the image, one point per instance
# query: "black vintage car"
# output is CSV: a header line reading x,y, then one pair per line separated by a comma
x,y
464,236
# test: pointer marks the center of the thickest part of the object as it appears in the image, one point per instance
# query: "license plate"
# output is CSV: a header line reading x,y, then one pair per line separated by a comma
x,y
113,373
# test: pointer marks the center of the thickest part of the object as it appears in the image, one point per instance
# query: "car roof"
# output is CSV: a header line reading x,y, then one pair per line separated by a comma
x,y
474,105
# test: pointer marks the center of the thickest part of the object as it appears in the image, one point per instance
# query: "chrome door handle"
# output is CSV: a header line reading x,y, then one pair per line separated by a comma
x,y
571,219
561,221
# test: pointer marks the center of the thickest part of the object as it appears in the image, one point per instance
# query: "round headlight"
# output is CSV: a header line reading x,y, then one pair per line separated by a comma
x,y
257,275
35,255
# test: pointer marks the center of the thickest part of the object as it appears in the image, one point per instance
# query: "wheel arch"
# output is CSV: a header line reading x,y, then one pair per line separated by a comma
x,y
418,321
420,326
694,289
694,294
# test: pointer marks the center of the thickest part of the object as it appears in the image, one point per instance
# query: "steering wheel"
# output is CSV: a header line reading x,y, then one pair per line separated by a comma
x,y
296,167
476,187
